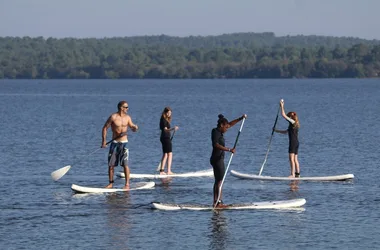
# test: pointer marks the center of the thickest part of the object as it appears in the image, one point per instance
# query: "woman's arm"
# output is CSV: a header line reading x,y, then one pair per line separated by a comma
x,y
284,114
164,125
171,129
215,144
283,109
232,123
281,131
220,147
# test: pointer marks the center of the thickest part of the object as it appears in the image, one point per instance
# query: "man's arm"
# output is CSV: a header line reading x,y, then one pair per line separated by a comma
x,y
104,131
133,126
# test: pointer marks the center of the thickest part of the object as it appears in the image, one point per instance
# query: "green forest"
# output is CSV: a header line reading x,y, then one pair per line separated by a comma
x,y
237,55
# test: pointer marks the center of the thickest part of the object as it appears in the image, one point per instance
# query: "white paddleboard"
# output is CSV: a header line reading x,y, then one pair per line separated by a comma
x,y
133,186
302,178
202,173
284,204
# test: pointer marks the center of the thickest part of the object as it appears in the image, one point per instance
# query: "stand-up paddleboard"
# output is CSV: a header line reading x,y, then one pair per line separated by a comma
x,y
273,178
133,186
202,173
285,204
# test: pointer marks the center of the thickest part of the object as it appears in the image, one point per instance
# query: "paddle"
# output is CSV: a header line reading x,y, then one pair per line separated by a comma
x,y
270,140
229,162
59,173
159,165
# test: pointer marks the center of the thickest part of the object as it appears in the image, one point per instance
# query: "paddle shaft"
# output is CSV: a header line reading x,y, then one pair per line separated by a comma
x,y
57,174
106,144
270,140
117,137
229,162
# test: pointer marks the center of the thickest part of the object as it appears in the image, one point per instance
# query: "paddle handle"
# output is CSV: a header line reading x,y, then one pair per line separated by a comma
x,y
237,137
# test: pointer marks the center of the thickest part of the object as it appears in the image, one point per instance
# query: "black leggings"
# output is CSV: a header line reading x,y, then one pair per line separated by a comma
x,y
219,170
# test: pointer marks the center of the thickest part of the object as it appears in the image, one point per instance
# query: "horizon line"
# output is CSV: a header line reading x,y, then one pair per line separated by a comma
x,y
187,36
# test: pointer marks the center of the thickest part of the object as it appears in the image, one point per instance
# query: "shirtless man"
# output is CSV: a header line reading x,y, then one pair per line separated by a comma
x,y
118,153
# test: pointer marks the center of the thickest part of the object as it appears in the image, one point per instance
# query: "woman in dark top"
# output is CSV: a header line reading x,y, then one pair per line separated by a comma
x,y
217,156
165,138
292,132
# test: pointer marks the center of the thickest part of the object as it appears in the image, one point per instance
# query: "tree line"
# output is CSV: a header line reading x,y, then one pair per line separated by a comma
x,y
238,55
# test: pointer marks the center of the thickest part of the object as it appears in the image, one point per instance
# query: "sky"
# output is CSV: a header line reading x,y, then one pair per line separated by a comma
x,y
120,18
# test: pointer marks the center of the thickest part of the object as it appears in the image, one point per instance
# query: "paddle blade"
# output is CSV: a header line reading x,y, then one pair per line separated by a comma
x,y
158,167
59,173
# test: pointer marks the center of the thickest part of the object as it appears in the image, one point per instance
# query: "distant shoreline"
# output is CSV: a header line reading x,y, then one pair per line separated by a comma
x,y
227,56
217,36
183,79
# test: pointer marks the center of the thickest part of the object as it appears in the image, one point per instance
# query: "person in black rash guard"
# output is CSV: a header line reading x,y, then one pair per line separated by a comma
x,y
217,156
292,132
165,138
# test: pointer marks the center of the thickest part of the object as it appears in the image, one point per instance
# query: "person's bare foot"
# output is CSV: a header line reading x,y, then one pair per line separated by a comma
x,y
162,173
170,173
109,185
126,187
220,205
291,176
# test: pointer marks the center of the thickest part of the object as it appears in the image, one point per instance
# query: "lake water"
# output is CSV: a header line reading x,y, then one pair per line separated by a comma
x,y
46,125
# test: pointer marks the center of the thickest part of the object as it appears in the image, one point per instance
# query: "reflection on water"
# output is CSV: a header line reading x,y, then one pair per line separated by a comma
x,y
119,222
219,231
338,214
165,182
294,186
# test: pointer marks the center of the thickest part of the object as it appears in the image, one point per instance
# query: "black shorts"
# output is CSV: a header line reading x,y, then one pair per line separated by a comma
x,y
293,148
219,169
166,145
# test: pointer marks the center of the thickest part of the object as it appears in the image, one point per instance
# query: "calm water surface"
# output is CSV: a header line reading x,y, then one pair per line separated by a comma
x,y
46,125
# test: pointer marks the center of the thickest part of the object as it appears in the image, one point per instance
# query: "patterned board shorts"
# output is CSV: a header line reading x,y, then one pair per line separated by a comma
x,y
118,154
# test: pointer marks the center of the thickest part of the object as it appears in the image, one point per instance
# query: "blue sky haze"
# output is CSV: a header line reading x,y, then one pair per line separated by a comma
x,y
101,18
